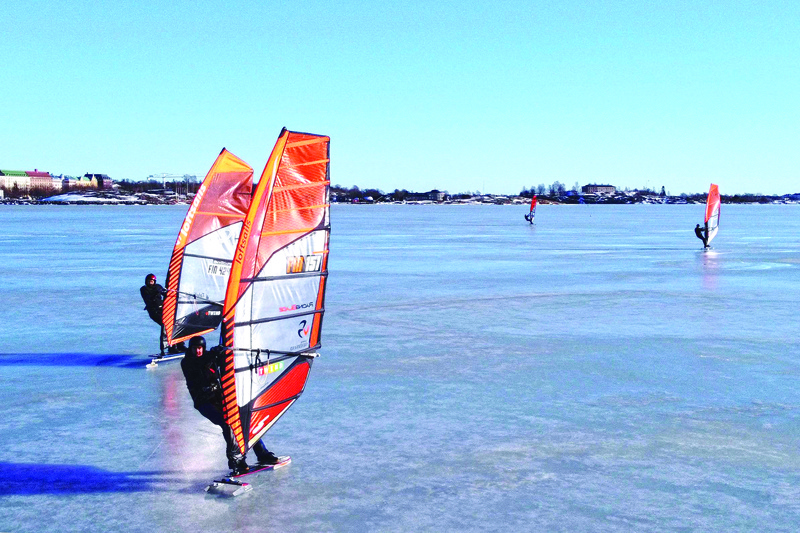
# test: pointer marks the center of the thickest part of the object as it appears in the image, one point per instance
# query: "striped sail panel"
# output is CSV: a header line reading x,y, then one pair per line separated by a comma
x,y
203,252
275,297
712,213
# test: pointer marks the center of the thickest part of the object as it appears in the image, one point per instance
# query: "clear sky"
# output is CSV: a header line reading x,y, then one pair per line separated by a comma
x,y
461,96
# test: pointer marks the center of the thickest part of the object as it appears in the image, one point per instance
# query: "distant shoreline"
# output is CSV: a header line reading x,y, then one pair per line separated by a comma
x,y
103,198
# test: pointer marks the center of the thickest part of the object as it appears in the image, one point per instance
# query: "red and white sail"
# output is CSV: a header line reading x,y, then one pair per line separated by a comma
x,y
532,214
712,213
203,253
276,293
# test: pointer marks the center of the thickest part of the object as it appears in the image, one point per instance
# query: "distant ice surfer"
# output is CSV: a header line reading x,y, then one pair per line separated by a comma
x,y
700,232
530,216
201,368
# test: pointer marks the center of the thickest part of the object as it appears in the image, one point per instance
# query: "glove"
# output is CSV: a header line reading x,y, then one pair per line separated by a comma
x,y
211,388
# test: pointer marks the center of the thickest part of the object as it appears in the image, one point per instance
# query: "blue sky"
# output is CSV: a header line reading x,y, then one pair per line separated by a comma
x,y
461,96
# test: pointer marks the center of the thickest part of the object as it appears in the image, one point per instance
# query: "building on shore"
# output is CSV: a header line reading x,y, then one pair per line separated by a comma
x,y
598,189
30,180
101,181
433,196
15,178
40,180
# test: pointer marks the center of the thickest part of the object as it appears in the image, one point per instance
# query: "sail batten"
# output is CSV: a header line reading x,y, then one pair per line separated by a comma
x,y
274,301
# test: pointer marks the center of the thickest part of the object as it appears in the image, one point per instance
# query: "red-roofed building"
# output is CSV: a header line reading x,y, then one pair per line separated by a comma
x,y
40,180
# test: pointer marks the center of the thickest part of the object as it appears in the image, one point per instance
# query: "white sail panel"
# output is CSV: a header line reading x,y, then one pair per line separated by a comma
x,y
287,335
267,300
204,279
220,243
713,224
289,297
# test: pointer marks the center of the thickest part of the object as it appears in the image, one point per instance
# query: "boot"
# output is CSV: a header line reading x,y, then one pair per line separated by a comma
x,y
238,466
236,460
268,458
264,456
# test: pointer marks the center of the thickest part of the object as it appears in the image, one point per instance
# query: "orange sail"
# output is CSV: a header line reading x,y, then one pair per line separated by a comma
x,y
712,213
203,252
274,302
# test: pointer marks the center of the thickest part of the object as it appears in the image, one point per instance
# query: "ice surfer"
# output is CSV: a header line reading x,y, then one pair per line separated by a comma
x,y
201,370
153,296
700,232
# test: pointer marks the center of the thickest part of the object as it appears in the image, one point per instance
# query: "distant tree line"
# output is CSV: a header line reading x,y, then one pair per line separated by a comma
x,y
34,192
178,186
355,193
554,189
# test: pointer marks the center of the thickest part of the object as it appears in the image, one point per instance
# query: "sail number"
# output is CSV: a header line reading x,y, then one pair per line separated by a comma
x,y
301,263
218,268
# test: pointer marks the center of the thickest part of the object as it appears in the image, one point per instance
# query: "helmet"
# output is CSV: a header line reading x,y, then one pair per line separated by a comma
x,y
148,277
194,342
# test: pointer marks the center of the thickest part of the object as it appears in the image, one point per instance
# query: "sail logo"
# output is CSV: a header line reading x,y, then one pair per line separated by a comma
x,y
260,425
303,263
269,369
303,331
187,224
243,240
213,313
296,307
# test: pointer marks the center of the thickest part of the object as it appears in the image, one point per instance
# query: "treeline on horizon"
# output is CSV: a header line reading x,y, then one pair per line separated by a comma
x,y
556,192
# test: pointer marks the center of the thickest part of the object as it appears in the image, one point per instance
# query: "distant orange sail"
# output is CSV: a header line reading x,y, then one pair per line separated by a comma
x,y
713,204
275,298
203,253
530,216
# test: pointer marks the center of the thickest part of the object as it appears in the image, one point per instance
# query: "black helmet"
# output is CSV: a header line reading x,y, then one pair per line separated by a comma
x,y
194,342
148,277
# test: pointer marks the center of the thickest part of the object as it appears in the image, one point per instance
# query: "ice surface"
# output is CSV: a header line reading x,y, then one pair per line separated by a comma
x,y
597,371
